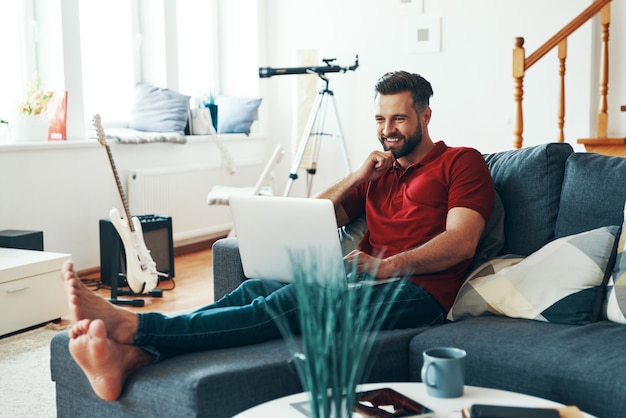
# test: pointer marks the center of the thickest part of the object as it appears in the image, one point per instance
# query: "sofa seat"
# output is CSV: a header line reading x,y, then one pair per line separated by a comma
x,y
574,365
217,383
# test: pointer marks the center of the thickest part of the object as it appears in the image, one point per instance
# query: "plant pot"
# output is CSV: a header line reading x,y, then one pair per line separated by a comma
x,y
30,128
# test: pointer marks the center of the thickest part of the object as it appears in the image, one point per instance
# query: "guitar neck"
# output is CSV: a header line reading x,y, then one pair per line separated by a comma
x,y
120,189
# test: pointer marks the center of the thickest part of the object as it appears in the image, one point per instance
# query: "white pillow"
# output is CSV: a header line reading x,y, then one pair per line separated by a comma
x,y
560,282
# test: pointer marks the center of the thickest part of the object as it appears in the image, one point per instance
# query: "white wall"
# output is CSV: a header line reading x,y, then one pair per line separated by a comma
x,y
65,188
471,75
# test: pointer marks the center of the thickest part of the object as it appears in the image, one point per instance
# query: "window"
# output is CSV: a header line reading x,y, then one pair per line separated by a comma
x,y
103,47
107,63
196,52
11,82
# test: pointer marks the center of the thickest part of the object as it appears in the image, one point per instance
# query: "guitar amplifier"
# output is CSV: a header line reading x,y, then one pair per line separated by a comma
x,y
157,234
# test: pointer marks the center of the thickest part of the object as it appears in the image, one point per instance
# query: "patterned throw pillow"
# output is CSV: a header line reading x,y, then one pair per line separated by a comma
x,y
558,283
615,307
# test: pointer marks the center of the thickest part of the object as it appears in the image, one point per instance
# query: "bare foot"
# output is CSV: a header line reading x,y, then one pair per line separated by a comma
x,y
106,363
121,324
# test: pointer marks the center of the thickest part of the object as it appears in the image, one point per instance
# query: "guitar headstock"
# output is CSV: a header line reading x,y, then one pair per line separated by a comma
x,y
100,131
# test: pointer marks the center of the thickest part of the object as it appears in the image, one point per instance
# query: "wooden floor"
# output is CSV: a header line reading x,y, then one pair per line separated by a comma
x,y
192,287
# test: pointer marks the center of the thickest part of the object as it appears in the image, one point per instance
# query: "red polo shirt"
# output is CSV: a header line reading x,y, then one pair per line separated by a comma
x,y
406,208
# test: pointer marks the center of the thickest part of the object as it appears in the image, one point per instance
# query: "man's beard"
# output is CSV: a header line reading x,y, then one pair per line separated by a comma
x,y
409,145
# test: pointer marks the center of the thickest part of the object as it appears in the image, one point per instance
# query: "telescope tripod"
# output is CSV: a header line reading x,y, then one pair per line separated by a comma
x,y
314,129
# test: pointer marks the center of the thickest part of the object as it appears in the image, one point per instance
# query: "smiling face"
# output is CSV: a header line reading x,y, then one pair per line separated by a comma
x,y
398,124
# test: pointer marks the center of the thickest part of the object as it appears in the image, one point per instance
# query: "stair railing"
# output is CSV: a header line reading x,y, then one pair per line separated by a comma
x,y
521,64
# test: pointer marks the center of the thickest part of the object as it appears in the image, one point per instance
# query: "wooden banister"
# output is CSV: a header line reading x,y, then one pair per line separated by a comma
x,y
562,52
518,91
567,30
521,64
603,115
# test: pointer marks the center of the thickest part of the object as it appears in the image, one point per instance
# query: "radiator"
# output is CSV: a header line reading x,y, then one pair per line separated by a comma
x,y
180,192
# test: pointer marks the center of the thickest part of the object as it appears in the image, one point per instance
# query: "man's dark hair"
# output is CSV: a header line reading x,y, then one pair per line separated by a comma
x,y
398,81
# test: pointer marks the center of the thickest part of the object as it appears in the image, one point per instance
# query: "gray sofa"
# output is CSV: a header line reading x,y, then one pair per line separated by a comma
x,y
547,192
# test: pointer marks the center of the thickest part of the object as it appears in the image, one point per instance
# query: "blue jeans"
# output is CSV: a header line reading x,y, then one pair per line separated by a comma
x,y
247,316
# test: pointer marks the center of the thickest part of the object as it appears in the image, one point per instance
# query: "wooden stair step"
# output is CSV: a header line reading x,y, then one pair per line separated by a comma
x,y
606,146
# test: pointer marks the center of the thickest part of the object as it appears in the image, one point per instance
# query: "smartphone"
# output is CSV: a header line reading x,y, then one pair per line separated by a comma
x,y
387,403
498,411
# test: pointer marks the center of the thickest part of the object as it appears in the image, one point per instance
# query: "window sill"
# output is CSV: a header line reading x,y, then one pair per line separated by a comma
x,y
6,146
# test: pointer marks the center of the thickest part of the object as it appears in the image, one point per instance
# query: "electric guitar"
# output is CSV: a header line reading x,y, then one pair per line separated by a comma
x,y
141,272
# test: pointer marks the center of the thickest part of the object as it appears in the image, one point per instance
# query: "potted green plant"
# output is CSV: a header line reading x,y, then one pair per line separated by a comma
x,y
338,320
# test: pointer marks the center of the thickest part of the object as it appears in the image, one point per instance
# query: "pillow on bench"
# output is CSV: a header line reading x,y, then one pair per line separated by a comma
x,y
159,110
236,114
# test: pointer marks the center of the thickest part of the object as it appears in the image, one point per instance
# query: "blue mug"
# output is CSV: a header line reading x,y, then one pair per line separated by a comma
x,y
443,371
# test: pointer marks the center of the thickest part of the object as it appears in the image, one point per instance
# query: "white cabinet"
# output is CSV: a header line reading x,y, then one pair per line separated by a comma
x,y
31,288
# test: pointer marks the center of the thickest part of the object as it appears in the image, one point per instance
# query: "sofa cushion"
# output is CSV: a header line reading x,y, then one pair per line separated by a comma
x,y
559,283
529,182
350,235
574,365
214,383
492,239
615,305
593,193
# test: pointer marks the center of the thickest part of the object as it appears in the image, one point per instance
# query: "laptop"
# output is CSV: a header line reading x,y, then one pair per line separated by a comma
x,y
269,228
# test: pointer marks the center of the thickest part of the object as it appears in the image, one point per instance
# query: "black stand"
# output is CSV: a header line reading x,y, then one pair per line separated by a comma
x,y
115,292
315,120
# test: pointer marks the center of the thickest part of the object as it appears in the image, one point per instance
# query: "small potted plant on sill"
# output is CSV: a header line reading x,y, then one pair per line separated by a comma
x,y
31,122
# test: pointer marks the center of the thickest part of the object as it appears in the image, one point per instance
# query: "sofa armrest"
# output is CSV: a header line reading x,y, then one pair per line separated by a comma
x,y
227,268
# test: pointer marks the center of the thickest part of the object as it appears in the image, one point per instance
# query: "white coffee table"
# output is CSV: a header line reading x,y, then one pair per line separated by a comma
x,y
443,408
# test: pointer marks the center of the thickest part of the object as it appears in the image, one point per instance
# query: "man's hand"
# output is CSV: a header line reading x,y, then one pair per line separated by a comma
x,y
365,263
377,163
457,243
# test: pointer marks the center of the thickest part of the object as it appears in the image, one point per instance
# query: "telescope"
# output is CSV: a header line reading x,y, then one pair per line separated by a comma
x,y
266,72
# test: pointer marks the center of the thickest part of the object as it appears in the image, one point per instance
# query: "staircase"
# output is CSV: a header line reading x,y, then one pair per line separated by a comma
x,y
604,145
521,63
